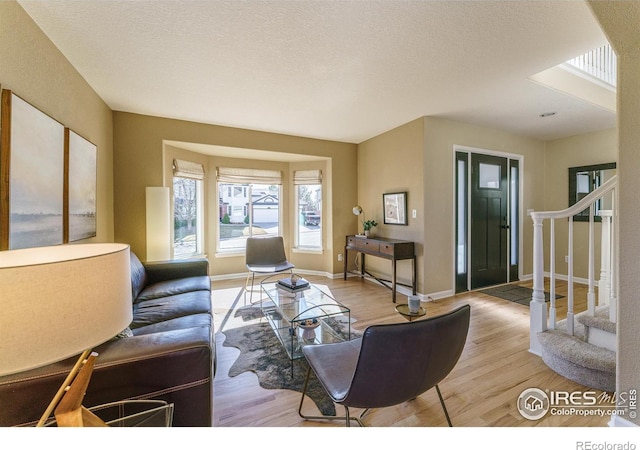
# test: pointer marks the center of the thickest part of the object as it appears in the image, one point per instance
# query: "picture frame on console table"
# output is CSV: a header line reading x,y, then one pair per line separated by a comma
x,y
394,205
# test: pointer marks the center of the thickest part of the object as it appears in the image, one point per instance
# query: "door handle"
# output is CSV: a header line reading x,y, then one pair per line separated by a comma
x,y
504,227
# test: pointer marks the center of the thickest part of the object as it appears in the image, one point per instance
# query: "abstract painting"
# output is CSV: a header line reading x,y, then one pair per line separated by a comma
x,y
32,156
82,187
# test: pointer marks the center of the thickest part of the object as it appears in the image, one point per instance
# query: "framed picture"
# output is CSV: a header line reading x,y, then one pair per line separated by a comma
x,y
31,176
395,208
82,172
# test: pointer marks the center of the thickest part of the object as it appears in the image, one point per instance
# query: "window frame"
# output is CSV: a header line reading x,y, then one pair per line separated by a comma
x,y
595,181
199,219
298,218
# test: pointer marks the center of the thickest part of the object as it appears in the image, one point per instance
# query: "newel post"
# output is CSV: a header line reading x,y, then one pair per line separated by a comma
x,y
537,307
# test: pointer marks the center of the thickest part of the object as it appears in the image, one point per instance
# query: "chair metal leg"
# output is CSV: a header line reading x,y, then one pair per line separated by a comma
x,y
252,276
443,406
346,417
246,288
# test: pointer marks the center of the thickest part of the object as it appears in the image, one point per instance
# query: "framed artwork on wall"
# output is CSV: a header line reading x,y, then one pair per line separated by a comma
x,y
82,186
31,176
395,208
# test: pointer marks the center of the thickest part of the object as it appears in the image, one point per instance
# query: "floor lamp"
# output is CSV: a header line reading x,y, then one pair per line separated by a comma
x,y
58,302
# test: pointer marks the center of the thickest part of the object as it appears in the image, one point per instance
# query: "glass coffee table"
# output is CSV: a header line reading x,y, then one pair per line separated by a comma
x,y
305,317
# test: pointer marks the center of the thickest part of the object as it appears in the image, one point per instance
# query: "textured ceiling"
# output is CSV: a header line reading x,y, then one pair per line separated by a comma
x,y
338,70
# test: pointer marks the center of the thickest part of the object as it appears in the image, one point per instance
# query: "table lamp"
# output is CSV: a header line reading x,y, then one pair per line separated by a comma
x,y
58,302
357,210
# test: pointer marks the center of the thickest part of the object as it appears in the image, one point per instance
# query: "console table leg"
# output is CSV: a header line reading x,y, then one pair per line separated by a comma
x,y
346,258
393,281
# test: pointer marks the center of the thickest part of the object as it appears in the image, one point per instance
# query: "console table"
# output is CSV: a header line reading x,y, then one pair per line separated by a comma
x,y
393,249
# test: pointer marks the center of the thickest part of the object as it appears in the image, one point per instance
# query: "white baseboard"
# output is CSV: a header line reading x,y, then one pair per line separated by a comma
x,y
229,276
559,276
234,276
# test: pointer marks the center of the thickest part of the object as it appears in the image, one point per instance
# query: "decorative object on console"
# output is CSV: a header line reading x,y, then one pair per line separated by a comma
x,y
367,225
395,208
81,296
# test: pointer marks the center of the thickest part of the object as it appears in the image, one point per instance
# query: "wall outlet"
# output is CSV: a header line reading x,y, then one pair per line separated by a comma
x,y
566,259
339,256
414,213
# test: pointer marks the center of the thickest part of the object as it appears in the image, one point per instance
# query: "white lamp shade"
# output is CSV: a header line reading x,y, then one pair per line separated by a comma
x,y
58,301
357,210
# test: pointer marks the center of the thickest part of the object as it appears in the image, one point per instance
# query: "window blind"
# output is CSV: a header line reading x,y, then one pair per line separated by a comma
x,y
307,177
248,176
187,169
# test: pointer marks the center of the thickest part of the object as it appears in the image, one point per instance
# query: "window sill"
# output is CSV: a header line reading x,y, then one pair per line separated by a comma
x,y
233,254
312,251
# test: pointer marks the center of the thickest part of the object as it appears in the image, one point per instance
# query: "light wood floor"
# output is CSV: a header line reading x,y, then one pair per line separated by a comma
x,y
481,391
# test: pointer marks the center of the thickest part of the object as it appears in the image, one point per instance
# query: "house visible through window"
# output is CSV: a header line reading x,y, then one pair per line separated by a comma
x,y
187,209
249,205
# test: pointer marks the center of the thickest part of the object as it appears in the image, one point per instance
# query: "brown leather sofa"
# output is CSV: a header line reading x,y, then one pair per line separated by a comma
x,y
167,354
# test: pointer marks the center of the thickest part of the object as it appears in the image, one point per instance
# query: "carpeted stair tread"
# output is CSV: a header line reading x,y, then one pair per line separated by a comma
x,y
600,322
577,351
578,323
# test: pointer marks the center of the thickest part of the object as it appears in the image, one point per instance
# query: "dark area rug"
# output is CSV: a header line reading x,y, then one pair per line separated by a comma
x,y
262,353
514,293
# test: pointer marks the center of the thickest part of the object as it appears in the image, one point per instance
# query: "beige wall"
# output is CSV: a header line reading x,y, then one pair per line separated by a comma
x,y
440,137
35,70
586,149
620,21
418,157
392,162
139,162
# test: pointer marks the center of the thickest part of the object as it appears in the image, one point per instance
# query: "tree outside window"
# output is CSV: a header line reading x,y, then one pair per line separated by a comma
x,y
185,217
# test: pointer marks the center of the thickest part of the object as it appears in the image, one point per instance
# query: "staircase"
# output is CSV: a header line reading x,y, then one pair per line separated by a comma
x,y
581,347
574,357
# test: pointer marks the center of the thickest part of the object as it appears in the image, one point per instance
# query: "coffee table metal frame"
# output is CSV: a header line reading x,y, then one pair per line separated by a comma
x,y
286,311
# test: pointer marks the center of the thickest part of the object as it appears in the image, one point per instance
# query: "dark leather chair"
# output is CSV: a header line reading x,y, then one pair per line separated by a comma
x,y
389,364
264,256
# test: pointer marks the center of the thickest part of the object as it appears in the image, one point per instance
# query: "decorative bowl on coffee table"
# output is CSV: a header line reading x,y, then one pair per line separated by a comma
x,y
309,326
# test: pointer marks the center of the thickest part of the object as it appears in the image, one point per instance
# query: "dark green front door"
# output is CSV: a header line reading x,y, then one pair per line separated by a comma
x,y
489,220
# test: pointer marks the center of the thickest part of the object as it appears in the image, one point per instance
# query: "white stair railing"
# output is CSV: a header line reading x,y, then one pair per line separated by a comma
x,y
539,320
599,63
